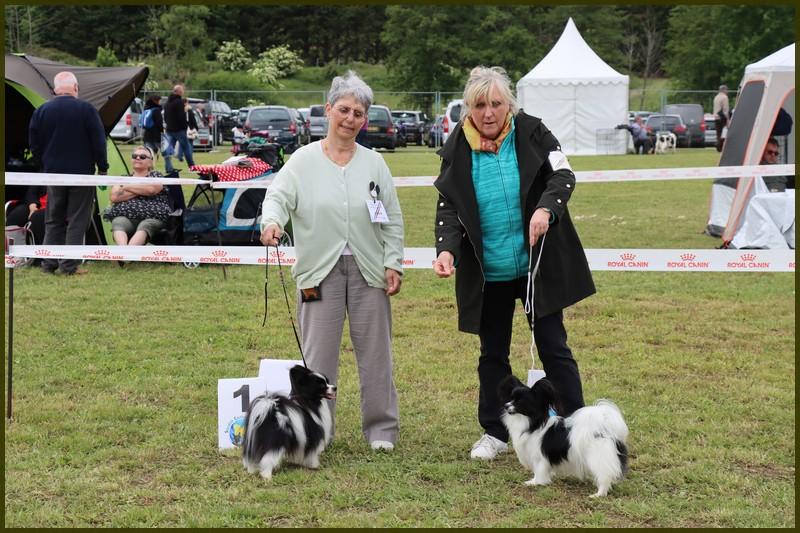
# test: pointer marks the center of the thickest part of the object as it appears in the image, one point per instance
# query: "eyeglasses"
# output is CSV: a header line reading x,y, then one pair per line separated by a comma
x,y
773,152
141,156
344,111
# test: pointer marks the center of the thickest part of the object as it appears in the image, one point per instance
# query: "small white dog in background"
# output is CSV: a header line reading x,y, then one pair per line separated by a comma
x,y
665,141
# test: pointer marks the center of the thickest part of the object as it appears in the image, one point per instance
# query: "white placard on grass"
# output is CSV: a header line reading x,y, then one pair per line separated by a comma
x,y
277,373
233,399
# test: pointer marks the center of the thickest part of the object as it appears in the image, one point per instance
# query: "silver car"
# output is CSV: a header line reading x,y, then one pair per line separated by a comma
x,y
318,122
127,127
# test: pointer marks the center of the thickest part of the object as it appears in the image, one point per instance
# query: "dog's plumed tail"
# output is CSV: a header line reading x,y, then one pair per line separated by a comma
x,y
600,434
260,410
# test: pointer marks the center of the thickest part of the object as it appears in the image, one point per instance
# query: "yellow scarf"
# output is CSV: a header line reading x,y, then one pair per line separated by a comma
x,y
479,143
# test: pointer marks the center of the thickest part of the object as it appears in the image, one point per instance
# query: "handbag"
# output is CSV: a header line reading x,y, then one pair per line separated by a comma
x,y
140,208
191,133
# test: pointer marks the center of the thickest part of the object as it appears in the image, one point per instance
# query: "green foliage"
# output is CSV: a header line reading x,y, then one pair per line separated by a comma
x,y
105,57
274,64
233,56
186,37
710,45
229,81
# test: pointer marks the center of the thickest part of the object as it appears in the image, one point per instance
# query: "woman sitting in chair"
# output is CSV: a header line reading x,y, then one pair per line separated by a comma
x,y
138,212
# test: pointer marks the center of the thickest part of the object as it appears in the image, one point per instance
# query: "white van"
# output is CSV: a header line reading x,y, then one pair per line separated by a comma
x,y
451,118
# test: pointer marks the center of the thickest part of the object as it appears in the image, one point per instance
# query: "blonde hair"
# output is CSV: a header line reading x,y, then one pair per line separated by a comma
x,y
479,84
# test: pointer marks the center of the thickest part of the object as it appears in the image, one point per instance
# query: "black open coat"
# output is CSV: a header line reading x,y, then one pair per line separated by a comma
x,y
564,277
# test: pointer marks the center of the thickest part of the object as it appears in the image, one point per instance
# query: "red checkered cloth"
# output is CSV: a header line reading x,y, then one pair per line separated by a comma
x,y
234,172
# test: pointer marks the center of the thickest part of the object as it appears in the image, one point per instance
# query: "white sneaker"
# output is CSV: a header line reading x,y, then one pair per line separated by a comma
x,y
382,445
487,448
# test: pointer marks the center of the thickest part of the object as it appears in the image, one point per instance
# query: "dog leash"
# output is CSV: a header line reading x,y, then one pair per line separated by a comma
x,y
285,296
529,291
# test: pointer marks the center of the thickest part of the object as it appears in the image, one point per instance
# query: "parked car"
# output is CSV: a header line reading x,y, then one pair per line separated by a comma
x,y
434,136
318,122
304,133
203,141
711,130
127,127
644,114
692,116
275,123
415,124
220,121
673,123
400,130
451,117
241,116
381,132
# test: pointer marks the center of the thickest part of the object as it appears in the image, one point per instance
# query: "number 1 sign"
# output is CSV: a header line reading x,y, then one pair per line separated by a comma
x,y
233,399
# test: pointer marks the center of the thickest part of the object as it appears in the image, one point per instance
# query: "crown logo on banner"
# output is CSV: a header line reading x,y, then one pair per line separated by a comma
x,y
102,252
161,253
748,257
688,257
219,253
627,256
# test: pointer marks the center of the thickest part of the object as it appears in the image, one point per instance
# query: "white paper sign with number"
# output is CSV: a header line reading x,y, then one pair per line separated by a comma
x,y
233,399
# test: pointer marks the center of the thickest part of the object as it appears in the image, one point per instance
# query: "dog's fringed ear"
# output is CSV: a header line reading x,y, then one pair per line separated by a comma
x,y
545,391
507,386
296,375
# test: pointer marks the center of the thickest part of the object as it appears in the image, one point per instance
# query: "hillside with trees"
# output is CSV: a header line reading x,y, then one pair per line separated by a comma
x,y
423,48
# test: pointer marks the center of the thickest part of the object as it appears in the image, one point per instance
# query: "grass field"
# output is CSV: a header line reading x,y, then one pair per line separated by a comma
x,y
115,378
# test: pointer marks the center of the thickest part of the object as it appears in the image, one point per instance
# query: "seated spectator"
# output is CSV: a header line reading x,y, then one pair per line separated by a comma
x,y
137,212
770,157
30,209
641,142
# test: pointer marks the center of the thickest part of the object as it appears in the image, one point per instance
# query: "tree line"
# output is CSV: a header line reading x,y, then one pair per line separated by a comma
x,y
423,47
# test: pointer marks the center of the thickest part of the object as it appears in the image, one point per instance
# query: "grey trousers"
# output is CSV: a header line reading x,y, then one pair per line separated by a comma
x,y
345,293
67,217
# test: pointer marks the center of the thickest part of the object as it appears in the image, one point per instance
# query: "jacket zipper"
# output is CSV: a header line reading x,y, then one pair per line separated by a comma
x,y
508,211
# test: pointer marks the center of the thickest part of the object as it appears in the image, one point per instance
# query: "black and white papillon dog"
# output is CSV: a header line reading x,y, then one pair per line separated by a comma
x,y
589,443
294,428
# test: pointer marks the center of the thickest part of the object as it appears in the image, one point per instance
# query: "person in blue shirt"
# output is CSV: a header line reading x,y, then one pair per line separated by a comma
x,y
66,136
641,142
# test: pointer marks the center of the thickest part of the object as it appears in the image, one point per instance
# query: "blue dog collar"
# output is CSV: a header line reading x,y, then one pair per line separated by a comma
x,y
551,412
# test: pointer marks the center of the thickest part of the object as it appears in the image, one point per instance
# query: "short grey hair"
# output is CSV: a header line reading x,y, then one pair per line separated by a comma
x,y
480,82
350,85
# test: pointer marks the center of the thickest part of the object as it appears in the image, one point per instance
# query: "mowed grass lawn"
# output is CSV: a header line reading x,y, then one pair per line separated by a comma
x,y
115,379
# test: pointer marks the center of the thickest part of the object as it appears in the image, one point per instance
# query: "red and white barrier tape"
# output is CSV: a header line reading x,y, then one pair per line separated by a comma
x,y
634,259
586,176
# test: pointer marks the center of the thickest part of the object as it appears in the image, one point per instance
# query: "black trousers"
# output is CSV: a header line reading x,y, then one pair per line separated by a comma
x,y
67,217
499,301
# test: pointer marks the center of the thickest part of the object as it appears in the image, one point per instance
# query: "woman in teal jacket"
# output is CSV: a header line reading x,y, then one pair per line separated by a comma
x,y
504,183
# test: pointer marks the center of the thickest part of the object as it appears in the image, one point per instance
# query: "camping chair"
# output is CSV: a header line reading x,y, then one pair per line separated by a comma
x,y
172,233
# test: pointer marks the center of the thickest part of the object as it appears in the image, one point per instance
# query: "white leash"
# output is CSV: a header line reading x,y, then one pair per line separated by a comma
x,y
529,294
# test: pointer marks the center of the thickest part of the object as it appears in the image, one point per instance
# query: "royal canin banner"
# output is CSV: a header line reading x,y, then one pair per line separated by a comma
x,y
670,260
583,176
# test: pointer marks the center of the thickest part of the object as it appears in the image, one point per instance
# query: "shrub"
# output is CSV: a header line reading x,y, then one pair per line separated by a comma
x,y
106,57
233,56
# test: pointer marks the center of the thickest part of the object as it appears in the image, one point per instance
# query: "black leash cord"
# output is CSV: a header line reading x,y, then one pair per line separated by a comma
x,y
285,296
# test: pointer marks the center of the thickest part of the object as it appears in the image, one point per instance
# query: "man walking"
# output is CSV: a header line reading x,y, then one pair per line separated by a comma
x,y
66,136
722,113
175,117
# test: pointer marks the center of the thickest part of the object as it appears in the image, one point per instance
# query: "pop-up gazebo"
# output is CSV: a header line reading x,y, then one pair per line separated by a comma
x,y
578,97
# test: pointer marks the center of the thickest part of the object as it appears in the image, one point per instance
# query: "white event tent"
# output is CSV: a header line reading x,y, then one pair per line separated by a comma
x,y
578,97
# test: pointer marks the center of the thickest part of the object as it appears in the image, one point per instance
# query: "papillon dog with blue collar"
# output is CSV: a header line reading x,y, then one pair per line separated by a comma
x,y
590,443
295,428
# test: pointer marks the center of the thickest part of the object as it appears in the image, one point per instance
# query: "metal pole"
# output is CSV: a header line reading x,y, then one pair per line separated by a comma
x,y
10,338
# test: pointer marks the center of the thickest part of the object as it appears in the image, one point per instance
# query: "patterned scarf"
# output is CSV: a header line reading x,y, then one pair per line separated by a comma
x,y
479,143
